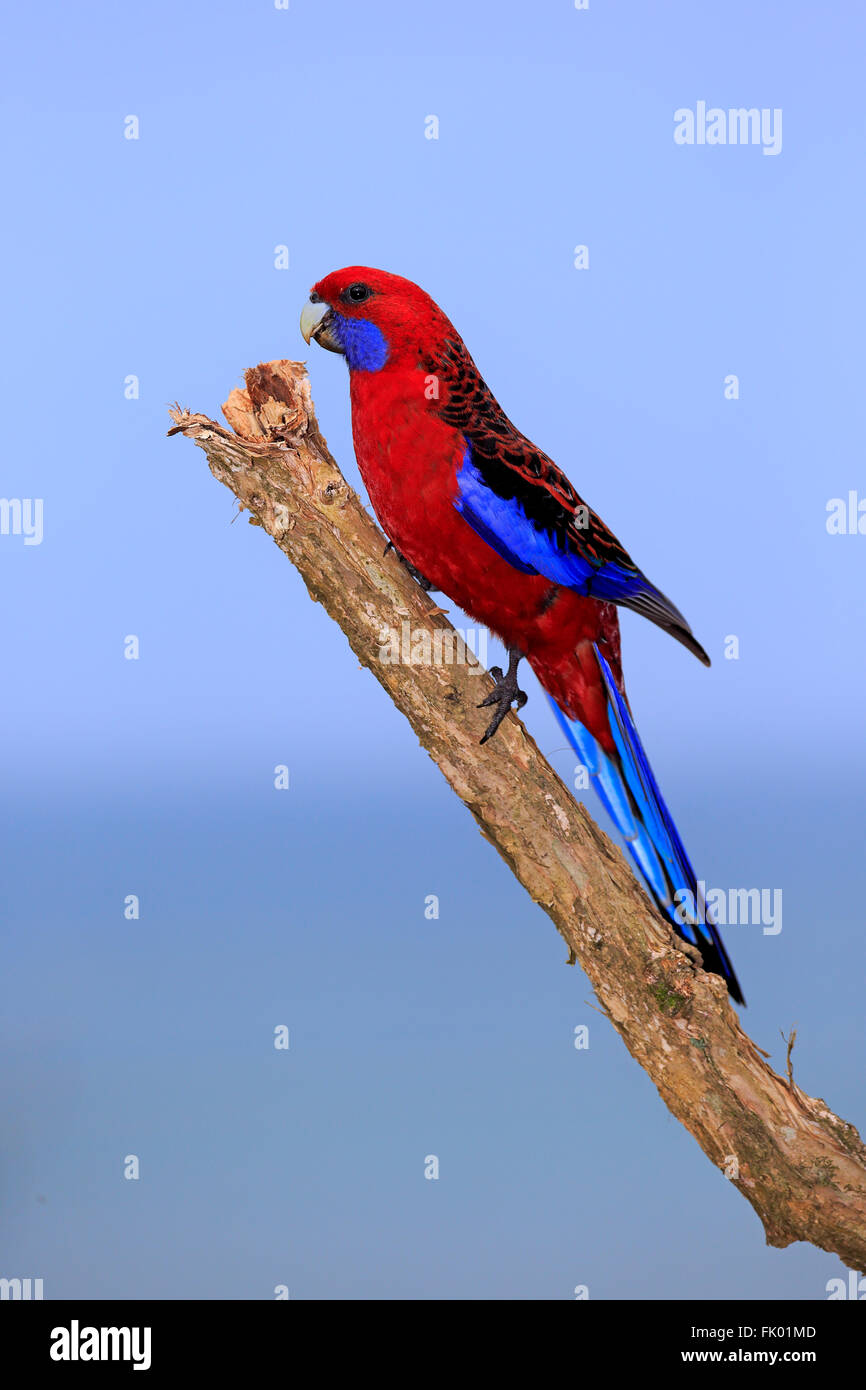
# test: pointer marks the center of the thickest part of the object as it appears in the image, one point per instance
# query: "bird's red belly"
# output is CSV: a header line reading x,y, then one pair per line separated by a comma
x,y
410,471
411,476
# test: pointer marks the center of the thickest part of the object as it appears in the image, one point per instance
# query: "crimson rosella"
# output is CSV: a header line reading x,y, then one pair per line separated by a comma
x,y
480,514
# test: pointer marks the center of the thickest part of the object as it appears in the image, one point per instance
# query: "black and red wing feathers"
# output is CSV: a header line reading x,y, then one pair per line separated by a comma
x,y
512,467
515,472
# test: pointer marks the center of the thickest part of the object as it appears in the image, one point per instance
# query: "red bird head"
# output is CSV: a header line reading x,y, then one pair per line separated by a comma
x,y
372,318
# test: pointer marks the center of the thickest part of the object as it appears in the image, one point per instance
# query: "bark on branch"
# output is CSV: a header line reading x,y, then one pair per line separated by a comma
x,y
802,1168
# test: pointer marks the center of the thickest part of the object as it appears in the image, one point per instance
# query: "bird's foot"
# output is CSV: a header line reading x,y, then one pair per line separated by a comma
x,y
419,578
506,694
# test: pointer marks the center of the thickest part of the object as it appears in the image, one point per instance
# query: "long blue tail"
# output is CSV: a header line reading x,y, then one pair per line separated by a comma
x,y
631,796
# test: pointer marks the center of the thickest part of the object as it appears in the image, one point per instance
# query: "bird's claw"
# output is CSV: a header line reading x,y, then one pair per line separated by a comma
x,y
506,694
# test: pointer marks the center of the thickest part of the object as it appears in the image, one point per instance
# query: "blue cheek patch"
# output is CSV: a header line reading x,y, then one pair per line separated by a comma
x,y
365,346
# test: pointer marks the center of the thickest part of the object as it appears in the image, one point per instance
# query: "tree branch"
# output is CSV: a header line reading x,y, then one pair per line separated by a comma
x,y
802,1168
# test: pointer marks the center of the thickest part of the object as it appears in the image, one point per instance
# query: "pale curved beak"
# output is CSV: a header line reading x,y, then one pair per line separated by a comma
x,y
311,318
317,321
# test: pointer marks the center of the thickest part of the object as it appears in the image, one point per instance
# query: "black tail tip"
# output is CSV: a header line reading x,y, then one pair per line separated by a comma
x,y
689,640
716,964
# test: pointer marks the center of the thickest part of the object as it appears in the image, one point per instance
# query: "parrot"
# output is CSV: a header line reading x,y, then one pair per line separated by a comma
x,y
479,513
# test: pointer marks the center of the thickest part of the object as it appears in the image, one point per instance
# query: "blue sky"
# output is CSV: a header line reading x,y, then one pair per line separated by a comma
x,y
155,258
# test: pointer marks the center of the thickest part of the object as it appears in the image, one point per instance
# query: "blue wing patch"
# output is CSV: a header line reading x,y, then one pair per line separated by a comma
x,y
502,522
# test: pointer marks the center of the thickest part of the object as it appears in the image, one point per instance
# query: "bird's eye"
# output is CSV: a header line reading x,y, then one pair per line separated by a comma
x,y
356,294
